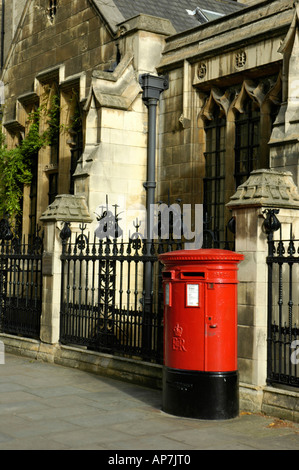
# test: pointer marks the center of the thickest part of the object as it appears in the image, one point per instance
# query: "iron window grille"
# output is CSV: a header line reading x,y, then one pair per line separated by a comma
x,y
54,128
53,187
33,197
214,181
75,142
52,9
247,142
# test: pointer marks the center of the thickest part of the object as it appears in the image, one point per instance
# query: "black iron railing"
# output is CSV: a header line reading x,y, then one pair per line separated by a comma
x,y
103,297
106,302
215,238
283,304
20,283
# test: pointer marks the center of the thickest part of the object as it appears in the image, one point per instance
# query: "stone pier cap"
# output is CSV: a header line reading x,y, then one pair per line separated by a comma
x,y
67,208
266,188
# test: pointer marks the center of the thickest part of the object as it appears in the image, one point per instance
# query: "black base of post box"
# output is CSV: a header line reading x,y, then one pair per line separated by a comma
x,y
201,395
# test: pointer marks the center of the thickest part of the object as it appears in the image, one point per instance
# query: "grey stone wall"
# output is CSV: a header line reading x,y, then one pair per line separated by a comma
x,y
77,38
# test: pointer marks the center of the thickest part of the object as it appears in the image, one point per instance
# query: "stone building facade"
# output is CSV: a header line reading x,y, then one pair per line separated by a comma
x,y
230,109
10,14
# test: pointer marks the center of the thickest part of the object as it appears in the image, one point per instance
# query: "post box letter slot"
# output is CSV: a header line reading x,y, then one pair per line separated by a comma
x,y
192,274
166,275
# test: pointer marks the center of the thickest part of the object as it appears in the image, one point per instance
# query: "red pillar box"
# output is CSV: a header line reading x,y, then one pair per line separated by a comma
x,y
200,377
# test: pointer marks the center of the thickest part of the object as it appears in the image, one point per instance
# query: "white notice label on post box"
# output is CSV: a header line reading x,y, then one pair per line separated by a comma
x,y
192,295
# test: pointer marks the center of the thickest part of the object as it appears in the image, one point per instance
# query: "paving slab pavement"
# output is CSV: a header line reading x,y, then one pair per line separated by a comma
x,y
45,406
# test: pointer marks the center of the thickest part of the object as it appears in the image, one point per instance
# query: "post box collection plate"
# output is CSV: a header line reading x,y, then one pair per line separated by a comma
x,y
192,295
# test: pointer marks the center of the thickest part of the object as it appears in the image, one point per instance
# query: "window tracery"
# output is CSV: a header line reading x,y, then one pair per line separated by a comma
x,y
52,9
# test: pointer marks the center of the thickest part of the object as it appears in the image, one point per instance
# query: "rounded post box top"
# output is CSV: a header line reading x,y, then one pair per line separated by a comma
x,y
202,254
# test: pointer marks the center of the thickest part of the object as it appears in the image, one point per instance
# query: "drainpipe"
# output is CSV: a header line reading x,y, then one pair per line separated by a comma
x,y
152,87
2,32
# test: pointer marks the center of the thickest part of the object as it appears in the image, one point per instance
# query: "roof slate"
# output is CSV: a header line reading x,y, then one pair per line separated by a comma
x,y
175,10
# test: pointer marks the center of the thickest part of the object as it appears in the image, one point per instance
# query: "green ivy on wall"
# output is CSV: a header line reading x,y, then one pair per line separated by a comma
x,y
16,163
